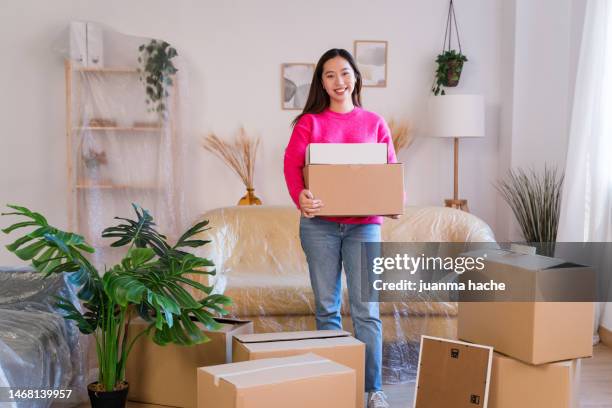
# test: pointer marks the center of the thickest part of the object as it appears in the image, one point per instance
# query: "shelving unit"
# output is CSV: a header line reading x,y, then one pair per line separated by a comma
x,y
132,163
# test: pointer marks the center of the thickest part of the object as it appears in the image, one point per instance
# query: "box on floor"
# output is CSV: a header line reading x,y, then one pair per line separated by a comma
x,y
516,384
302,381
335,345
167,375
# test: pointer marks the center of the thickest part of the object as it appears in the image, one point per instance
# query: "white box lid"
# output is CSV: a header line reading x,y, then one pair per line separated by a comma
x,y
346,153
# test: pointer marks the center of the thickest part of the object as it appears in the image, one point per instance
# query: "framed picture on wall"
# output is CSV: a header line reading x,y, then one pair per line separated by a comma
x,y
295,85
371,57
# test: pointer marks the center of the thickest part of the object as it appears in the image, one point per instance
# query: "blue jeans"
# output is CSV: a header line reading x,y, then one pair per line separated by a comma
x,y
328,245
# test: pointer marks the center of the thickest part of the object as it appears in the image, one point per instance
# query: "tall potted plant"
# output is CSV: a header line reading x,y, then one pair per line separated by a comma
x,y
150,281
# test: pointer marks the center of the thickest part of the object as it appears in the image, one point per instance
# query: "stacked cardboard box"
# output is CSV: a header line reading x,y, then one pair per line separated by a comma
x,y
336,345
354,179
238,368
516,384
167,375
537,344
301,381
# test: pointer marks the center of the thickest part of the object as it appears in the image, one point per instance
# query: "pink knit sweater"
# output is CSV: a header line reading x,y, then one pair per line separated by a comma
x,y
356,126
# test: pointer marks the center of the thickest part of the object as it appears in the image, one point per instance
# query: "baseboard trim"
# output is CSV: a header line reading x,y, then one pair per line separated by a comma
x,y
605,336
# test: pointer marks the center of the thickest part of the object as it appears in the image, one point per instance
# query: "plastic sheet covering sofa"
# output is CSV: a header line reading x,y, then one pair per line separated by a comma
x,y
261,266
38,347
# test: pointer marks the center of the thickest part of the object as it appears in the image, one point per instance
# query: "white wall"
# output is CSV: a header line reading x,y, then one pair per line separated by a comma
x,y
504,214
541,41
541,78
234,50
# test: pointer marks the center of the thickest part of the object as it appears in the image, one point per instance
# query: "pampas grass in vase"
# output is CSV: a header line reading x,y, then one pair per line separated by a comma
x,y
239,155
401,133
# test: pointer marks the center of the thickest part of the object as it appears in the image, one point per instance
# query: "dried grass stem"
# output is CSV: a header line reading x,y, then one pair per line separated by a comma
x,y
401,133
239,155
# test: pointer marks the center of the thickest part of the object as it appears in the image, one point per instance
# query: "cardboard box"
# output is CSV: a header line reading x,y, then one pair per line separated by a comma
x,y
530,278
357,190
346,153
533,332
452,374
303,381
167,375
336,345
515,384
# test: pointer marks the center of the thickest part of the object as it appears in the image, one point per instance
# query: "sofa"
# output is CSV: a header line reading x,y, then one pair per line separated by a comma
x,y
38,347
260,264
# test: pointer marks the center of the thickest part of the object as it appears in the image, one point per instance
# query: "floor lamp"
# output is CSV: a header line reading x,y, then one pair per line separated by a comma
x,y
456,116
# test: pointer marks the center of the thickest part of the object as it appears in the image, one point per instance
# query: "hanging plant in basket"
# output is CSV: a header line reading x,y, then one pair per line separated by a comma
x,y
450,61
157,72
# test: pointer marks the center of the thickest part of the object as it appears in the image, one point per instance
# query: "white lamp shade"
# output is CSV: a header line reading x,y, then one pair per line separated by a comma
x,y
456,116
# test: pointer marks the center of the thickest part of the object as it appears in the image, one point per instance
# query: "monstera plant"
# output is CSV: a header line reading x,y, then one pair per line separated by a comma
x,y
150,281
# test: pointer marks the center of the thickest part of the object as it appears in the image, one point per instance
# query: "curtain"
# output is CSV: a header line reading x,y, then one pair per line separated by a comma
x,y
586,208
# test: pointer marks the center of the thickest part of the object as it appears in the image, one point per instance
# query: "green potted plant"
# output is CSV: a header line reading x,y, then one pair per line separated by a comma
x,y
149,281
157,72
535,200
448,72
450,61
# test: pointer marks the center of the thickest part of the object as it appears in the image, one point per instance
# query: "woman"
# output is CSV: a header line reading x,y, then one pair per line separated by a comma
x,y
333,114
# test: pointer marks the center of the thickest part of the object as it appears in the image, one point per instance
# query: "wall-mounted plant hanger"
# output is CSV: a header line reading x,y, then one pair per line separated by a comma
x,y
450,61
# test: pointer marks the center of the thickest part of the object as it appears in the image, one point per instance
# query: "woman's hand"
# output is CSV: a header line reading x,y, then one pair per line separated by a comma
x,y
310,207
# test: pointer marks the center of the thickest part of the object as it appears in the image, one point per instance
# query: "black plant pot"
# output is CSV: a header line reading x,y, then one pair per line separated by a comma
x,y
108,399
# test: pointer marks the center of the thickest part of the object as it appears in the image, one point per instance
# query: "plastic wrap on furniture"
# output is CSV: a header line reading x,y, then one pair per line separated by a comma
x,y
261,266
38,347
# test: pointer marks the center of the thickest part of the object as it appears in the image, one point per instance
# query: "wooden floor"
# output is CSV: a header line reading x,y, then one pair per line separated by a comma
x,y
596,384
595,387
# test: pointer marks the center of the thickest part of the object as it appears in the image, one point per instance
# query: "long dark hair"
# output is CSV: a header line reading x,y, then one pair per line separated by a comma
x,y
318,99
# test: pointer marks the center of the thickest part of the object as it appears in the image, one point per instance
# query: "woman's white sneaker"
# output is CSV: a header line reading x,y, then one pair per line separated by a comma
x,y
377,399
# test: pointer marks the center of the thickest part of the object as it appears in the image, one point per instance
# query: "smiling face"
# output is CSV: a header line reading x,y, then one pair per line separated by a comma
x,y
338,80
